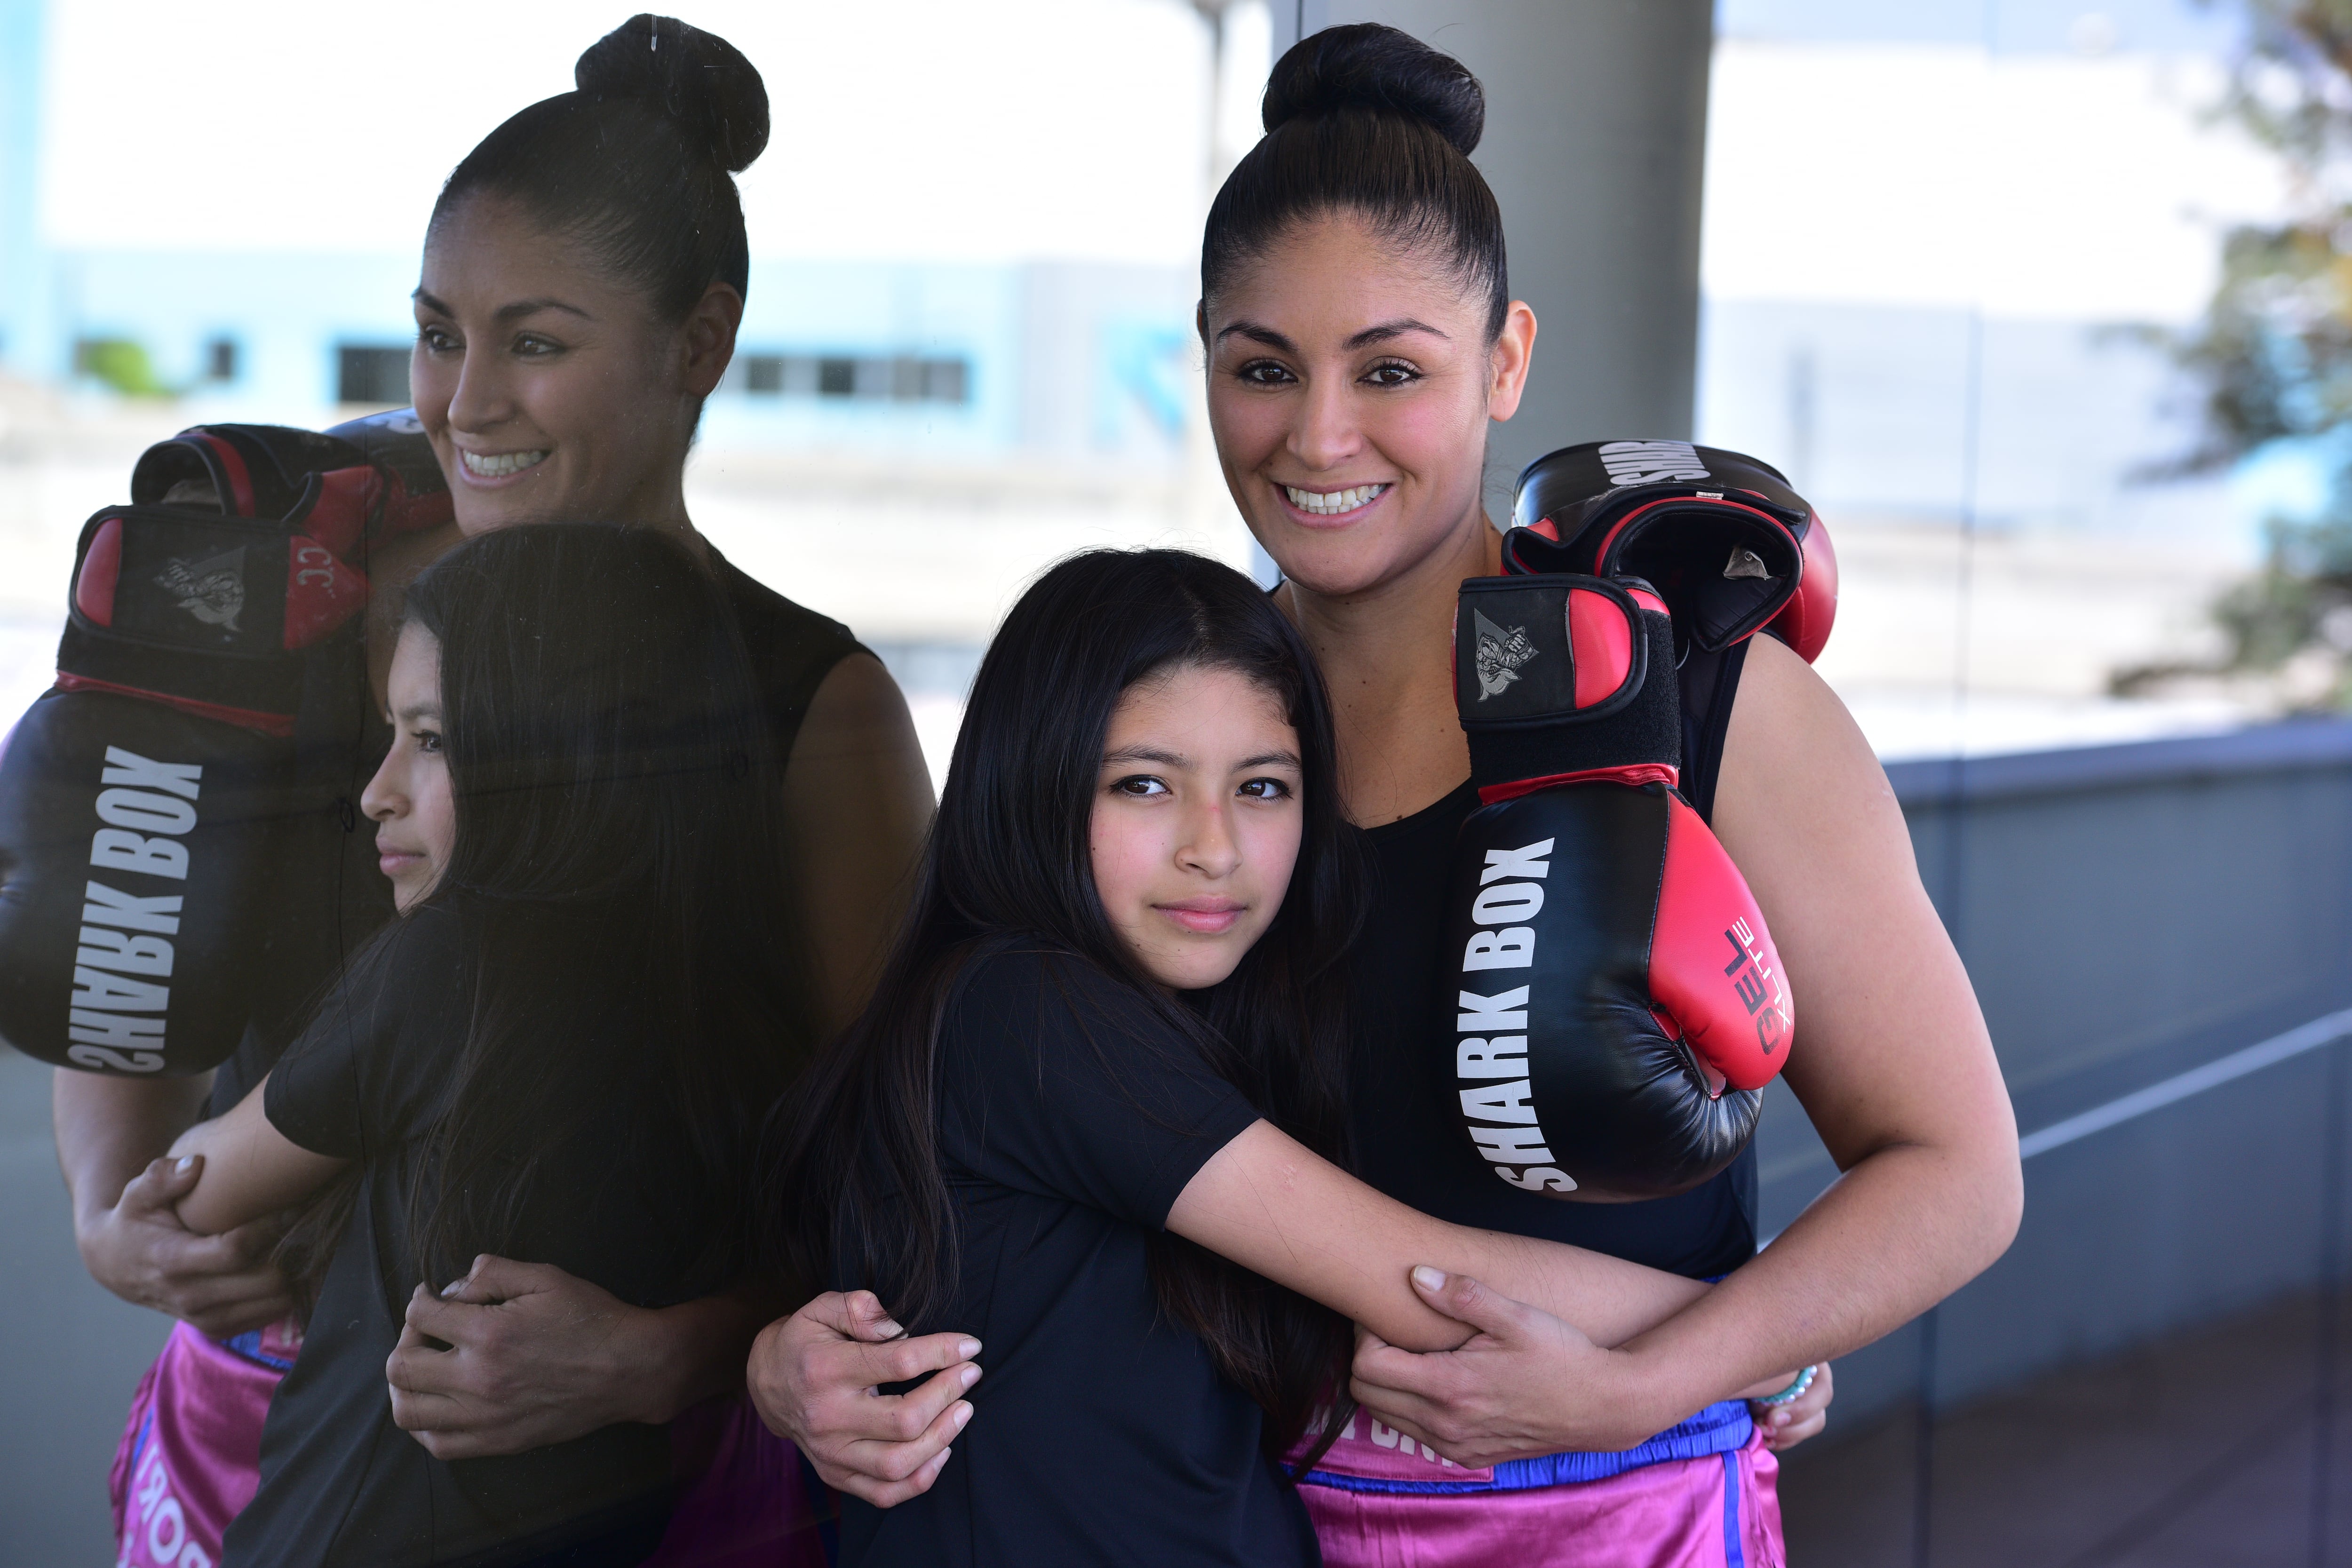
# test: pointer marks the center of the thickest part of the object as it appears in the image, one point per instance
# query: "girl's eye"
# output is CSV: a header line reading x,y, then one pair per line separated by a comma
x,y
1139,785
428,742
1265,373
1392,375
1267,789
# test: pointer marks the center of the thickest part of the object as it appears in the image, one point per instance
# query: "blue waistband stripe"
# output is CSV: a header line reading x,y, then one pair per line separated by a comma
x,y
1717,1429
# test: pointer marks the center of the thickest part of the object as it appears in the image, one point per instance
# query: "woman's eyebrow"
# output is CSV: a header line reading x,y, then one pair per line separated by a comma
x,y
1257,333
1385,331
1272,760
515,311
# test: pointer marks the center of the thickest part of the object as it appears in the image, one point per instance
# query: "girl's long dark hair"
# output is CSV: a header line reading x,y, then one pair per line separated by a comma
x,y
618,870
858,1156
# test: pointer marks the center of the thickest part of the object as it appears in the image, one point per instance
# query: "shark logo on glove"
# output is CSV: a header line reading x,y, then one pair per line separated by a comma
x,y
1500,654
213,591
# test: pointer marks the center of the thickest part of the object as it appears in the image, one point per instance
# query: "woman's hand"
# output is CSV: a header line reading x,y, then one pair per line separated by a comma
x,y
1785,1425
1524,1383
815,1379
528,1355
137,1248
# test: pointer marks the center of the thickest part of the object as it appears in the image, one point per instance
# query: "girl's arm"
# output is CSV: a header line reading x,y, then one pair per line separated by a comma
x,y
1273,1206
1891,1060
250,1168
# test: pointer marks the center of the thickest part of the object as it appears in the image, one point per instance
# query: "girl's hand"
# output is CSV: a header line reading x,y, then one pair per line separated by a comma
x,y
815,1379
137,1248
1527,1383
1785,1425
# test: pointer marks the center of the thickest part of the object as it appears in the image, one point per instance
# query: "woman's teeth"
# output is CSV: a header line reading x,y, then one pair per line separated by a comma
x,y
498,465
1334,502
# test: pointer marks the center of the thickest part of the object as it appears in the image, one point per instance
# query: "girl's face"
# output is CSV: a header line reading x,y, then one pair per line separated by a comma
x,y
1350,386
1196,821
409,798
552,393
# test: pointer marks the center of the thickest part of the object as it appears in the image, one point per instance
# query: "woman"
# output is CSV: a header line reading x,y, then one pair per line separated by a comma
x,y
1102,1082
583,278
556,1050
1360,335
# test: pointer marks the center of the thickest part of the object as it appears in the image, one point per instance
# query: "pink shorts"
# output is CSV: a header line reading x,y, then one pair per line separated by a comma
x,y
1709,1511
191,1458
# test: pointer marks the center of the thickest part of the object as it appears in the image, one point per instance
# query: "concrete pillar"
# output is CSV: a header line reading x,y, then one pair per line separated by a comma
x,y
1595,143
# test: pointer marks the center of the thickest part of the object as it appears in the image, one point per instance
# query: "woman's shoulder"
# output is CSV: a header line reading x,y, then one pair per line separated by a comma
x,y
770,623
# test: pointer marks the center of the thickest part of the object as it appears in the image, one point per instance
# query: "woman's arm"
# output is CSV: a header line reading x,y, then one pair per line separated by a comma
x,y
1274,1205
857,801
1891,1060
248,1168
112,1133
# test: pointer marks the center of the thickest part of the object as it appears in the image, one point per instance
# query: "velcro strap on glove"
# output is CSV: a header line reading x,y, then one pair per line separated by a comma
x,y
1721,536
201,613
1565,674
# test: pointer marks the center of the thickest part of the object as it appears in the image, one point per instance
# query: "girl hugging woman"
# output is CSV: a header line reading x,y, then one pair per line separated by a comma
x,y
1095,1116
559,1052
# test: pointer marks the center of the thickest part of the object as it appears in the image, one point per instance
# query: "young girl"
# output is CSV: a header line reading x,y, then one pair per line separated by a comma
x,y
1095,1116
555,1054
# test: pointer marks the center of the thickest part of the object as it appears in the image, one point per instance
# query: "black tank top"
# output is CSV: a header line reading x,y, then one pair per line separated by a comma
x,y
1408,1136
329,895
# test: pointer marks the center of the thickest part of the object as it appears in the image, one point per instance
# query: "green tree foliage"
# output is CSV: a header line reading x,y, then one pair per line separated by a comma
x,y
2274,350
121,364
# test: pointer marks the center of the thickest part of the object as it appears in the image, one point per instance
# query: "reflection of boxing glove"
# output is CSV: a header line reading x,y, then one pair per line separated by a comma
x,y
142,802
1729,545
1619,1005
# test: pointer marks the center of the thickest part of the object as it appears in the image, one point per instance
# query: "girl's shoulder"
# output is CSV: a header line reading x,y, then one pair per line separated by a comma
x,y
1033,992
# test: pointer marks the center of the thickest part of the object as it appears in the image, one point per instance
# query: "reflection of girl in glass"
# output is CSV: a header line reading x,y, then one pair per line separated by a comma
x,y
557,1053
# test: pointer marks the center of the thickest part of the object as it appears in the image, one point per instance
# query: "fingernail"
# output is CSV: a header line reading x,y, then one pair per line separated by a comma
x,y
1428,1279
181,1166
452,1288
964,1414
889,1330
967,1349
969,1376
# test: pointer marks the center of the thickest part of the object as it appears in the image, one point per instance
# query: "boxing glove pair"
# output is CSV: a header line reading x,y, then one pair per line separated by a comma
x,y
1619,1005
141,799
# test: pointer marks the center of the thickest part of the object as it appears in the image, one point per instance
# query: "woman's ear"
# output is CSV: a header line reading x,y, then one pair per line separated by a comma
x,y
1515,347
710,338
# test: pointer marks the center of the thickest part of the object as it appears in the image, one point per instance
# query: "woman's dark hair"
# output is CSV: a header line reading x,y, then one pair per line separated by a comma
x,y
858,1157
638,165
618,870
1367,120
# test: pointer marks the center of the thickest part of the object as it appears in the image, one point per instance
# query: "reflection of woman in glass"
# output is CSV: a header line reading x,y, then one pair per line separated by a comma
x,y
582,279
560,1049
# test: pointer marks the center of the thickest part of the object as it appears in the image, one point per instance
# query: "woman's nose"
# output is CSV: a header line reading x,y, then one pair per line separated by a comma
x,y
481,397
1325,434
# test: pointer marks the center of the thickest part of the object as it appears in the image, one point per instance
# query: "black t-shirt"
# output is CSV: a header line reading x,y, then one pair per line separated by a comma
x,y
1407,1124
340,1483
329,895
1071,1118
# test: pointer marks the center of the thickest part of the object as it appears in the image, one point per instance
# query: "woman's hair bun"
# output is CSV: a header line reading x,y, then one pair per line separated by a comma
x,y
697,78
1370,67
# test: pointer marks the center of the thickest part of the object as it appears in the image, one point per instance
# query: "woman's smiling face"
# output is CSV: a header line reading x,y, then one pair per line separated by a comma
x,y
552,392
1350,380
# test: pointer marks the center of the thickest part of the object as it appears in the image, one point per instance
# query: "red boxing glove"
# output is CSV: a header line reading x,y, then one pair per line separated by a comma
x,y
1620,1004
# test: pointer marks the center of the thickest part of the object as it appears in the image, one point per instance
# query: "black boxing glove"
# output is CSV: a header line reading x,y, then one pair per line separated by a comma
x,y
141,801
1727,543
1619,1005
